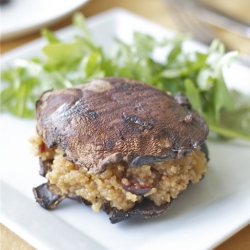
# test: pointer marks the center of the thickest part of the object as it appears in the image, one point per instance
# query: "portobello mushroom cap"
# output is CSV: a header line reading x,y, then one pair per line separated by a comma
x,y
111,120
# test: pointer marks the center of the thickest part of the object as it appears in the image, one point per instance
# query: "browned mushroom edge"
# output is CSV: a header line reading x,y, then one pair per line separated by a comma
x,y
46,195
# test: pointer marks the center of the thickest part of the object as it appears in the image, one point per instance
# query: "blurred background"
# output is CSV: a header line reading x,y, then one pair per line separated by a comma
x,y
207,19
204,19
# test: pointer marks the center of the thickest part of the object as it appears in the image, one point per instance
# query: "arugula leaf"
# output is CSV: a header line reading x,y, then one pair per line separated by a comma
x,y
50,36
239,117
192,92
197,75
222,97
80,23
59,53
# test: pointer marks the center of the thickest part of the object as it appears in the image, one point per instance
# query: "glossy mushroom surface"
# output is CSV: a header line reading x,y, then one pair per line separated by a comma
x,y
114,120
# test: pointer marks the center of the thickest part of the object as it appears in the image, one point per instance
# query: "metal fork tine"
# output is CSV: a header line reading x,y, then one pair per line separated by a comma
x,y
183,16
179,17
203,35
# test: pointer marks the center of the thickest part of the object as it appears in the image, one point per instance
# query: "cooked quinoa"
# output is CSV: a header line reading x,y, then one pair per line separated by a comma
x,y
165,179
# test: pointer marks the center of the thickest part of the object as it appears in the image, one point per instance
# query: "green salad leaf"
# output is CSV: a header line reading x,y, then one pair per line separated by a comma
x,y
198,75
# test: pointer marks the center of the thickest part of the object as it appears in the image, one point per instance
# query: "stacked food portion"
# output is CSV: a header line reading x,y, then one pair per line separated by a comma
x,y
119,145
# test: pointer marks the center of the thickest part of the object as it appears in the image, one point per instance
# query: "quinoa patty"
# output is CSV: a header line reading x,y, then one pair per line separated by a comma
x,y
158,182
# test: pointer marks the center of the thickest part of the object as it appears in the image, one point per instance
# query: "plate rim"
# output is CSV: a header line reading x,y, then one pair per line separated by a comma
x,y
94,19
27,29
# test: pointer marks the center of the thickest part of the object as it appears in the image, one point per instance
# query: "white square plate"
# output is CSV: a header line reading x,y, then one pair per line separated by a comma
x,y
204,216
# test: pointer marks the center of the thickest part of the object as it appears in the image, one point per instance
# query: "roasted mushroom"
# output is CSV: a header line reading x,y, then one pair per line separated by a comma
x,y
118,144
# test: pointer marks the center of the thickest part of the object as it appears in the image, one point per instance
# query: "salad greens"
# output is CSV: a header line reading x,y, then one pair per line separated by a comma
x,y
197,75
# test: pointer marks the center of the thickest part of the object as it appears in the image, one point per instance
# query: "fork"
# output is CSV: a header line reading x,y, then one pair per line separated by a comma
x,y
189,15
202,13
183,15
